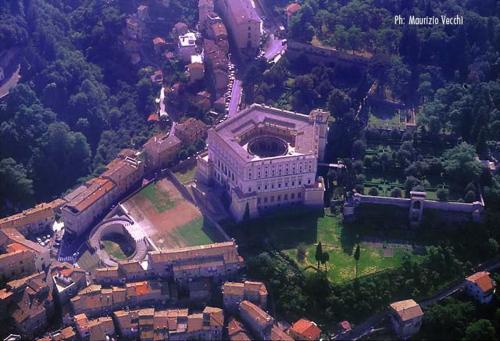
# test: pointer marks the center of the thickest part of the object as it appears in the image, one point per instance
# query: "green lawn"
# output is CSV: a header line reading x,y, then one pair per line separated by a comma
x,y
159,198
287,232
186,175
114,249
193,233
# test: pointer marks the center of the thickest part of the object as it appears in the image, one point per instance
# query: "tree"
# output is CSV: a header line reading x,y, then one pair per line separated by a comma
x,y
357,254
319,253
480,330
396,192
16,189
338,104
301,252
461,165
492,247
442,194
325,258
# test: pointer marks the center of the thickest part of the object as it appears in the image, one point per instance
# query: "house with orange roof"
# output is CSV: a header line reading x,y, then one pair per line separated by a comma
x,y
480,286
217,261
406,318
234,292
17,261
304,329
290,10
236,331
257,320
33,220
67,280
18,242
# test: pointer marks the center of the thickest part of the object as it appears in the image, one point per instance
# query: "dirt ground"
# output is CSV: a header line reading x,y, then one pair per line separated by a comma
x,y
160,227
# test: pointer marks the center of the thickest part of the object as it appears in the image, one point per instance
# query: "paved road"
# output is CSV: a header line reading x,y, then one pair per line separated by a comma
x,y
236,93
10,83
274,47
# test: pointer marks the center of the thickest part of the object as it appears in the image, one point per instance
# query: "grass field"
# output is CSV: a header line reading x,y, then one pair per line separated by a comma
x,y
287,232
160,199
114,249
193,233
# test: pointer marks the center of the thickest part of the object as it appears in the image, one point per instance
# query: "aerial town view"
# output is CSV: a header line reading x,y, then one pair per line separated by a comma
x,y
249,170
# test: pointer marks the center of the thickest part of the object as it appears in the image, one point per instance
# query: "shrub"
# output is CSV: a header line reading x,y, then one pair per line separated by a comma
x,y
442,194
396,193
373,191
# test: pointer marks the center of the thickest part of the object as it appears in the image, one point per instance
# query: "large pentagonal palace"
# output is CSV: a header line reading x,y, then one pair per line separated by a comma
x,y
265,158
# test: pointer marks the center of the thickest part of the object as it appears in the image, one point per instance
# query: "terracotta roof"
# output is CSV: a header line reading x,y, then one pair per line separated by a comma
x,y
33,215
483,280
407,309
256,313
85,196
306,329
130,267
159,41
255,287
236,331
292,8
195,322
216,316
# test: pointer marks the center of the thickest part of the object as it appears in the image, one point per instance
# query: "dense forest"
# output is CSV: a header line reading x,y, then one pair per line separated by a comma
x,y
80,100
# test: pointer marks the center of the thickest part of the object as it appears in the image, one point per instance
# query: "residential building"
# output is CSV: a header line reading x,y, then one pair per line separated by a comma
x,y
86,204
190,131
480,286
99,329
90,201
199,290
196,69
161,150
143,13
33,220
65,334
243,23
68,281
186,46
304,329
134,28
125,171
132,270
217,64
41,255
236,331
234,293
266,158
95,300
127,323
217,31
290,10
28,301
108,275
278,334
257,320
159,45
217,261
17,261
406,318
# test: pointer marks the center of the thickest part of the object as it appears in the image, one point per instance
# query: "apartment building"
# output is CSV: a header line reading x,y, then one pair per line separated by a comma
x,y
17,242
16,262
257,320
190,131
68,280
480,286
91,200
243,23
234,293
406,318
216,261
160,151
33,220
99,329
28,301
305,329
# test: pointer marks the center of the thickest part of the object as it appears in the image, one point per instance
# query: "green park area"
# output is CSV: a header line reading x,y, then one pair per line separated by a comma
x,y
158,197
114,249
298,235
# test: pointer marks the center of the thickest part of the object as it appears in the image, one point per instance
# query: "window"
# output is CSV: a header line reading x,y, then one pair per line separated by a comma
x,y
299,195
258,200
292,196
265,200
249,189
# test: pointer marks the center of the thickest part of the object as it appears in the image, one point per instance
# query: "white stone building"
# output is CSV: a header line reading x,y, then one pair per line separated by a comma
x,y
187,46
266,158
243,22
